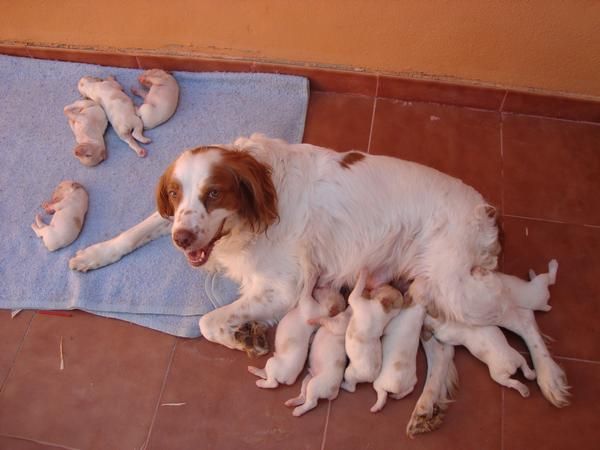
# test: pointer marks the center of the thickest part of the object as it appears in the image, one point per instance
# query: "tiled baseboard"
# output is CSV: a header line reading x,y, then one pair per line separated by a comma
x,y
342,81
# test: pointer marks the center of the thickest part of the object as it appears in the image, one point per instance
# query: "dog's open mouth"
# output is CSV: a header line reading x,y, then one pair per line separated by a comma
x,y
198,257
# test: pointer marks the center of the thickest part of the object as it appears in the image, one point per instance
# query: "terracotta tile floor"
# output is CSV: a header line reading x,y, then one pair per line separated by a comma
x,y
126,387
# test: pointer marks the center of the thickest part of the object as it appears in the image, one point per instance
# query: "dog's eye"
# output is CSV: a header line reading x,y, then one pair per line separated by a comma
x,y
213,194
173,194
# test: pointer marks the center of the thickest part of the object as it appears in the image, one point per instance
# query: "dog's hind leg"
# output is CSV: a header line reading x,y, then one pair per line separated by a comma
x,y
440,384
550,377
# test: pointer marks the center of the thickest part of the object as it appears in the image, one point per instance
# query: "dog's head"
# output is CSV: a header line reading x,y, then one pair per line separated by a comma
x,y
210,190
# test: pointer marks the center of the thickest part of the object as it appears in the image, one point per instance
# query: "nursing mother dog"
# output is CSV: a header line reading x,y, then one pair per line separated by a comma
x,y
251,208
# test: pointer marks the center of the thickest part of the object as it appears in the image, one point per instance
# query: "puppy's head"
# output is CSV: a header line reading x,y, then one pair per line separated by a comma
x,y
153,76
389,297
64,189
333,301
84,84
210,190
90,154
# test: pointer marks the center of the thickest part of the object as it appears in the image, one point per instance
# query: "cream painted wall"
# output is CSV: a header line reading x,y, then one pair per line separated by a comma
x,y
548,45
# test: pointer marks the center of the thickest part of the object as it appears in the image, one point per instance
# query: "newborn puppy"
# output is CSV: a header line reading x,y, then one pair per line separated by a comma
x,y
327,361
69,204
160,102
369,318
88,122
489,345
119,109
400,343
292,340
533,294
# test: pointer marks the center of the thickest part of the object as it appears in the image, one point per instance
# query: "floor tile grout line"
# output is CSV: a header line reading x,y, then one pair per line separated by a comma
x,y
501,419
12,364
373,117
324,440
37,441
559,119
559,222
566,358
503,101
502,189
160,394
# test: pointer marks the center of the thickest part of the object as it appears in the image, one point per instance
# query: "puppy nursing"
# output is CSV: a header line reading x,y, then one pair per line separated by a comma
x,y
369,318
88,122
292,339
118,107
69,205
400,343
160,102
489,345
327,361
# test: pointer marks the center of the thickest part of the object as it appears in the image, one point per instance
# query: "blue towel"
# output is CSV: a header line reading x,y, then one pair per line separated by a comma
x,y
154,286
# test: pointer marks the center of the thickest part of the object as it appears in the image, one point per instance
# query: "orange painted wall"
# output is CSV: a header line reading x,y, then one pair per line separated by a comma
x,y
550,45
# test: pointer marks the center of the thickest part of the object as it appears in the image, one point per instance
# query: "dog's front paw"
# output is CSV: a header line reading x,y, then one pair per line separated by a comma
x,y
93,257
424,422
253,338
553,383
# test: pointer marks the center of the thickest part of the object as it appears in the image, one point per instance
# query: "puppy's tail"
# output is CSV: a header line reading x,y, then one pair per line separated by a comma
x,y
381,399
359,287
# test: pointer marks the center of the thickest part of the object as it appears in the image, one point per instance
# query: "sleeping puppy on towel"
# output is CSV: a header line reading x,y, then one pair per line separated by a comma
x,y
69,205
160,102
88,121
118,107
363,336
327,361
293,335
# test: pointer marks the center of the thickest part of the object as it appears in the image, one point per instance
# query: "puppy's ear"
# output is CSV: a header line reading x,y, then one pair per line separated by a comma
x,y
258,197
163,204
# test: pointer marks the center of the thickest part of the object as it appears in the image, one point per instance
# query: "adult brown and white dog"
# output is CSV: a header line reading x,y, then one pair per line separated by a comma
x,y
255,208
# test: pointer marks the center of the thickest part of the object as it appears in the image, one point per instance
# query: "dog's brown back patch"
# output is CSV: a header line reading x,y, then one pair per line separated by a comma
x,y
351,158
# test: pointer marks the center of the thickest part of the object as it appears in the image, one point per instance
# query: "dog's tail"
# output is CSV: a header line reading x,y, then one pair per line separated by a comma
x,y
381,399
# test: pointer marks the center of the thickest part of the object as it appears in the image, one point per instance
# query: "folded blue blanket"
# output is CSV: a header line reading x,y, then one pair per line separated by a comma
x,y
154,286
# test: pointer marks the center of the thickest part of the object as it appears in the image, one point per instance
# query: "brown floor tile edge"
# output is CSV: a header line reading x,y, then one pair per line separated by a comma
x,y
341,81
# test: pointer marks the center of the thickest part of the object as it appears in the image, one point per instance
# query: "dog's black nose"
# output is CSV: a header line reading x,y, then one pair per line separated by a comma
x,y
183,238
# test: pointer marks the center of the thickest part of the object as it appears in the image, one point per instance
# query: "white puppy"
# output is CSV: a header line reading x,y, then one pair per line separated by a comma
x,y
400,344
327,361
88,121
533,294
118,107
69,204
160,102
292,339
369,318
489,345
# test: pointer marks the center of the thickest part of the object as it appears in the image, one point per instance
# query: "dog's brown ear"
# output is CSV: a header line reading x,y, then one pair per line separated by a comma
x,y
258,198
163,203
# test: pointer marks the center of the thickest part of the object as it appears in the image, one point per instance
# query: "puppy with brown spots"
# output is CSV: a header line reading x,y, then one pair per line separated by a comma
x,y
119,109
363,336
327,361
88,121
69,205
400,343
160,101
292,339
489,345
